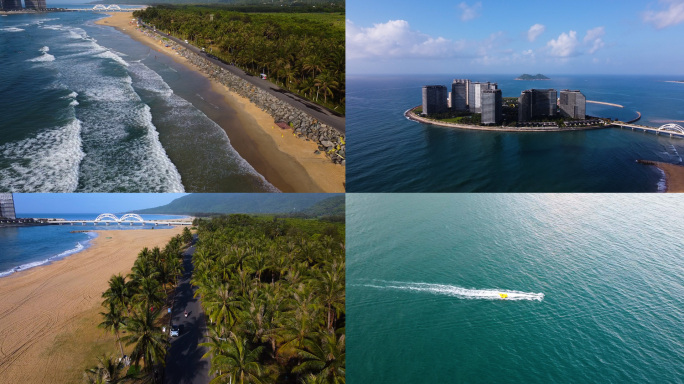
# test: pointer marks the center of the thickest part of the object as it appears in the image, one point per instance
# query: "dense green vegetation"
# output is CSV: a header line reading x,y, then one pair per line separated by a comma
x,y
302,52
134,304
201,204
273,291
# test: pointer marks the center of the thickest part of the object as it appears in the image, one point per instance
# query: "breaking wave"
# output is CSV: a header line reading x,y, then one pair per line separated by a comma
x,y
455,291
45,56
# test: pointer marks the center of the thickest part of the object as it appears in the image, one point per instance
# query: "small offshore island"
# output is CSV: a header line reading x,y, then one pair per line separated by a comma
x,y
479,105
538,76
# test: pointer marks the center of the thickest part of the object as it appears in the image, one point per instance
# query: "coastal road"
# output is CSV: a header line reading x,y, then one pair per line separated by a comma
x,y
326,116
184,363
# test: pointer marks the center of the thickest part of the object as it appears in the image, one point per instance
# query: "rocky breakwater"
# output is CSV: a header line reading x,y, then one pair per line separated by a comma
x,y
329,141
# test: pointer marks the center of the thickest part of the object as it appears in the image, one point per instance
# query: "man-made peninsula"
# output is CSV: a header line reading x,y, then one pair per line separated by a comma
x,y
538,76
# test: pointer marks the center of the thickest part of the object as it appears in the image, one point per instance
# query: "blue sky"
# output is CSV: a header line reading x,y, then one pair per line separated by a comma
x,y
89,202
513,37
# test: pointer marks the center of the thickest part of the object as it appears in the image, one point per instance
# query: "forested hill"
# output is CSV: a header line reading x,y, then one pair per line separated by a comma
x,y
311,204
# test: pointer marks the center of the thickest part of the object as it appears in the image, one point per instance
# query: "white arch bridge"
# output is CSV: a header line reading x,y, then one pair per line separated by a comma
x,y
129,218
102,7
671,129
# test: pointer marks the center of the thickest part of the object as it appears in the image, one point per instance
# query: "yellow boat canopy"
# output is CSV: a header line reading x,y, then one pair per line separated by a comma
x,y
503,295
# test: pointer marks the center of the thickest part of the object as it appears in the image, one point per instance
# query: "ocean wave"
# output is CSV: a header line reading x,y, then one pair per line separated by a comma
x,y
46,162
199,127
456,291
111,55
12,29
45,56
78,248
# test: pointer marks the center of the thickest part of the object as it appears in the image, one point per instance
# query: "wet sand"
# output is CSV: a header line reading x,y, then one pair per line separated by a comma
x,y
287,162
49,314
674,175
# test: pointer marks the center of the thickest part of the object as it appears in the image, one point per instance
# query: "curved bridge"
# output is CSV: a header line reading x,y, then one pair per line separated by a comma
x,y
129,218
102,7
672,127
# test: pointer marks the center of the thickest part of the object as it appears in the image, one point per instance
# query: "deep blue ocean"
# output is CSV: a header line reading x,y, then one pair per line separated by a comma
x,y
388,153
27,247
595,286
84,108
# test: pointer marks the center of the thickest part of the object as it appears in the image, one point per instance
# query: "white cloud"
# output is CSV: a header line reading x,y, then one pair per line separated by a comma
x,y
565,45
593,39
396,39
673,15
535,31
469,12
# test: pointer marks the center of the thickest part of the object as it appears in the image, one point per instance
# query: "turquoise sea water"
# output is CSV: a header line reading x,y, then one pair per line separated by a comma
x,y
84,108
424,272
28,247
388,153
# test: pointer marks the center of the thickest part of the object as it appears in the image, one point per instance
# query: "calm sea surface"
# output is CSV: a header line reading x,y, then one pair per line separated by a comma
x,y
388,153
595,285
84,108
27,247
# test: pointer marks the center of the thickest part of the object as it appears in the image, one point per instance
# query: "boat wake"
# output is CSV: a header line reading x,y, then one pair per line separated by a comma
x,y
455,291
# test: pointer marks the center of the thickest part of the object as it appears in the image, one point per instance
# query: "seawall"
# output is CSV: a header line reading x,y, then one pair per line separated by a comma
x,y
329,140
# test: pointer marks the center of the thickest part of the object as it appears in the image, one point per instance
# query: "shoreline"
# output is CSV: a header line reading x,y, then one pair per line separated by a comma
x,y
409,114
50,313
284,160
674,175
78,248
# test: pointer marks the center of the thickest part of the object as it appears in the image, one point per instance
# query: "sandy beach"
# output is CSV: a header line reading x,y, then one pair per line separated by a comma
x,y
49,314
674,175
287,162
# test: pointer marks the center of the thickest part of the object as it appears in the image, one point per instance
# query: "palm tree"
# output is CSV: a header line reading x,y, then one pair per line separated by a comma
x,y
150,342
238,362
150,293
330,287
326,82
324,355
119,292
107,371
113,321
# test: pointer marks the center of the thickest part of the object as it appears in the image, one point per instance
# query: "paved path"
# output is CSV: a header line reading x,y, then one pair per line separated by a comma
x,y
328,117
184,363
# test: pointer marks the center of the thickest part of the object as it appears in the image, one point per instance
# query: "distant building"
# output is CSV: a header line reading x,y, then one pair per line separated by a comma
x,y
459,95
536,103
7,206
10,5
38,5
492,106
434,99
572,104
475,95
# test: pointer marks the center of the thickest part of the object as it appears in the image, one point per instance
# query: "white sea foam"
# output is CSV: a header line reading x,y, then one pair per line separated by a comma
x,y
12,29
199,126
113,56
46,162
455,291
79,247
45,56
